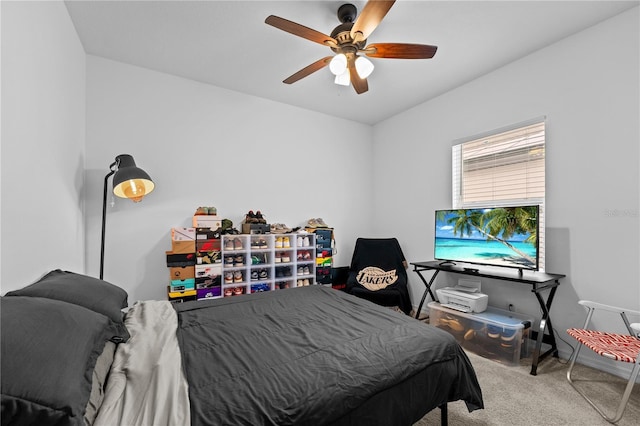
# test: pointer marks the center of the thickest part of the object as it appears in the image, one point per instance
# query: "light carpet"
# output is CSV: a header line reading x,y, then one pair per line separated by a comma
x,y
514,397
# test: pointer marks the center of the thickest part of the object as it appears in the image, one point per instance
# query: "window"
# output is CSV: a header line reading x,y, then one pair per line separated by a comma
x,y
502,168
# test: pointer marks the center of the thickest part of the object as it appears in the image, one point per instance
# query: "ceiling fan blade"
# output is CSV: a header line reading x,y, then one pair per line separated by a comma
x,y
309,69
300,30
372,14
400,51
359,84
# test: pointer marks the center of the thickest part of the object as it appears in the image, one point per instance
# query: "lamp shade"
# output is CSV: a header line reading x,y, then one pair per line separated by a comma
x,y
130,181
338,64
364,67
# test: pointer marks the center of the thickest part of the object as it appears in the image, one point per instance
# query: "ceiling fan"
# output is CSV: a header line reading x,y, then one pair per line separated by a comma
x,y
349,41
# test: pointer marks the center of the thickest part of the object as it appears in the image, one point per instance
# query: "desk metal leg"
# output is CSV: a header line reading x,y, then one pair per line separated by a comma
x,y
427,290
545,324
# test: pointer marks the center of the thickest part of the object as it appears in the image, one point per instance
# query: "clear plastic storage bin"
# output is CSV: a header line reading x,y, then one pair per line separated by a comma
x,y
494,334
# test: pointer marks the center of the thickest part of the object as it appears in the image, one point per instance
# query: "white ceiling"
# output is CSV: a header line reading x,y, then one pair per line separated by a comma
x,y
227,44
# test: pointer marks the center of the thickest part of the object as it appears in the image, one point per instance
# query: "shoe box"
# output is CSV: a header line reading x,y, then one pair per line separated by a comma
x,y
182,272
182,285
207,221
180,259
256,228
324,255
208,281
324,260
208,247
181,296
495,334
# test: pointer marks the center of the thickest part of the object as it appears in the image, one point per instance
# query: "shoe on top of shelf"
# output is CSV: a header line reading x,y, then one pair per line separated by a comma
x,y
280,228
260,218
316,223
204,211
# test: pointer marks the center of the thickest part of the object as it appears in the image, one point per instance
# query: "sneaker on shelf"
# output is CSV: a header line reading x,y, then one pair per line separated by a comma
x,y
300,270
299,283
237,291
306,255
305,270
250,217
277,258
299,256
320,223
255,259
254,275
201,211
280,228
286,243
237,243
238,277
228,244
284,257
279,242
305,242
279,273
238,260
300,241
228,291
259,218
228,260
228,277
255,244
287,271
305,282
262,243
263,274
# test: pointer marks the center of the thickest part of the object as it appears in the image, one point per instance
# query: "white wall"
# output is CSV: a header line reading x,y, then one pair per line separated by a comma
x,y
206,146
43,124
588,88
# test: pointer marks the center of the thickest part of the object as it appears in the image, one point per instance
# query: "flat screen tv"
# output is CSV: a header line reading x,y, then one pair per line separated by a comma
x,y
498,236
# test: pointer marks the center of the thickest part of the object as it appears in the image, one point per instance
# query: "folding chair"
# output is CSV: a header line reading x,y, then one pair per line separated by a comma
x,y
617,347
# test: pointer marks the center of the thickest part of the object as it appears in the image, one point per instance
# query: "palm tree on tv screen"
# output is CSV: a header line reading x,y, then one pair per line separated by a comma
x,y
499,224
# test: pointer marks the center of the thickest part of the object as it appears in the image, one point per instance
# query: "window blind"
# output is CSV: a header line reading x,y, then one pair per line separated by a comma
x,y
503,168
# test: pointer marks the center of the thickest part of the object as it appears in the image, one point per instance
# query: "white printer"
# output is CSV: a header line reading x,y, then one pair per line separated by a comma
x,y
464,297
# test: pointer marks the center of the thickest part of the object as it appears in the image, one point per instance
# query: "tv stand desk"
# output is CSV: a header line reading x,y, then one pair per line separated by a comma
x,y
539,282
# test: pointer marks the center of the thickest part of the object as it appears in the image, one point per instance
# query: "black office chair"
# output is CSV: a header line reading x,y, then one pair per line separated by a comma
x,y
378,273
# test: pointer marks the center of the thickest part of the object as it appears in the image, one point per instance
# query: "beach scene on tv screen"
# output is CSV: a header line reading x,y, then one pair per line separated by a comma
x,y
505,236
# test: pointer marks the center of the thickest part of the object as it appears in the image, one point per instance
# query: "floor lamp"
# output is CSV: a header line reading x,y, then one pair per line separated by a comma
x,y
130,182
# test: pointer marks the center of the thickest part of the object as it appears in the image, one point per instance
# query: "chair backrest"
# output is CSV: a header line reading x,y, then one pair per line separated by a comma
x,y
384,254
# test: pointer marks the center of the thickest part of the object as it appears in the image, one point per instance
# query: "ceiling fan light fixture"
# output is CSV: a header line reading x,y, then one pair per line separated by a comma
x,y
343,79
338,64
364,67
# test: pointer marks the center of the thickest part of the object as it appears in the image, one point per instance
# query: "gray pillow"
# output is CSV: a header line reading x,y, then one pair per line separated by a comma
x,y
48,353
92,293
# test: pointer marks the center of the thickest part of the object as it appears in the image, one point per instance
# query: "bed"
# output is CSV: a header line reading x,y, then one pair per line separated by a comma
x,y
300,356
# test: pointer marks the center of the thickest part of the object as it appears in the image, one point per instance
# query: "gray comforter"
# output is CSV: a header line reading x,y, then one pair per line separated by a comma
x,y
316,356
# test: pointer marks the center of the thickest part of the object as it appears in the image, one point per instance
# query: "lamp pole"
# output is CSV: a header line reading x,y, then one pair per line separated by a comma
x,y
104,215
